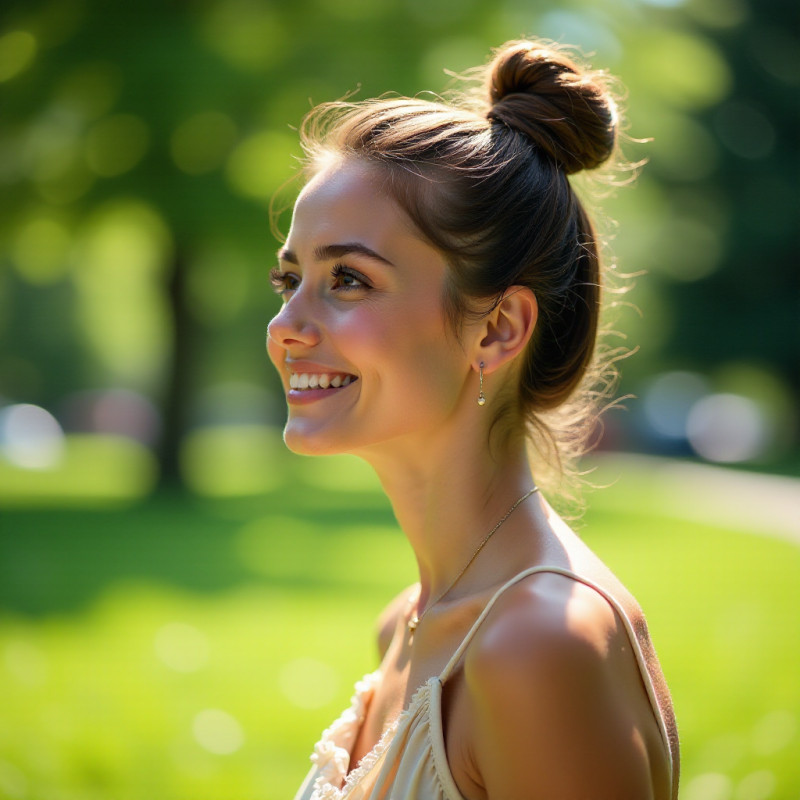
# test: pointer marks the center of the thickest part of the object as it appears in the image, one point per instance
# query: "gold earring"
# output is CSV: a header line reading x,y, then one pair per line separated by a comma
x,y
481,395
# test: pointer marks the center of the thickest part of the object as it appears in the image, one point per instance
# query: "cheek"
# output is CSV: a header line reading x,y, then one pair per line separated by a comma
x,y
409,350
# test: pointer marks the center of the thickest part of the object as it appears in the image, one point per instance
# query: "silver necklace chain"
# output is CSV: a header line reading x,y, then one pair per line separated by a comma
x,y
415,620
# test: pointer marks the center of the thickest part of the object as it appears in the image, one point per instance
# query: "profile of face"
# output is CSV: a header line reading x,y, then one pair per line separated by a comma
x,y
366,355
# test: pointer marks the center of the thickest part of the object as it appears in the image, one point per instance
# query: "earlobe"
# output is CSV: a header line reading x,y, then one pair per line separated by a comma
x,y
508,328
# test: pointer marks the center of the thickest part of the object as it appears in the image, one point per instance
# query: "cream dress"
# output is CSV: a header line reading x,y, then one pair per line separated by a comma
x,y
409,762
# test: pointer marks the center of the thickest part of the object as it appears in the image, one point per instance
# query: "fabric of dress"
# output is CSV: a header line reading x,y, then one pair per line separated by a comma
x,y
409,762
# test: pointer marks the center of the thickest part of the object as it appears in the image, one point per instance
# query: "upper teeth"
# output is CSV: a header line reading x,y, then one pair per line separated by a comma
x,y
308,380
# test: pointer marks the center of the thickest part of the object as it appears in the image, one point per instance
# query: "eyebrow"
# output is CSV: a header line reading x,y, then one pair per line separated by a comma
x,y
328,251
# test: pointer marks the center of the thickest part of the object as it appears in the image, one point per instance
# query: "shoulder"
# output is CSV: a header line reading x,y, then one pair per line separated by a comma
x,y
390,616
554,691
548,626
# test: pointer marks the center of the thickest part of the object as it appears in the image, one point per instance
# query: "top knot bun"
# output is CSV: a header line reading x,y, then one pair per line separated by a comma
x,y
567,111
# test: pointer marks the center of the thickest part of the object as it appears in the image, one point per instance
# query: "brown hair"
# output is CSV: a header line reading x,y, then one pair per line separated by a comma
x,y
485,181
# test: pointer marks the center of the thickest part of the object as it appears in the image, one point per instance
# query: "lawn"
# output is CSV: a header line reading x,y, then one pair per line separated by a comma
x,y
192,648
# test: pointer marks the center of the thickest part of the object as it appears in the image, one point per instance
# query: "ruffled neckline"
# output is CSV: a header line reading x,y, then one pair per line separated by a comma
x,y
332,752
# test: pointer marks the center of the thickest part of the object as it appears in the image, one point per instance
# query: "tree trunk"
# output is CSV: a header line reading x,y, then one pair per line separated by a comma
x,y
178,385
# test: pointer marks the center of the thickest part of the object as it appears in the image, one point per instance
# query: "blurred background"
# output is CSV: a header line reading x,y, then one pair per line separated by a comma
x,y
183,604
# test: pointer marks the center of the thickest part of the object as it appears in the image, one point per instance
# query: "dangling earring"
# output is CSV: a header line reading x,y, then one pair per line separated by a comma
x,y
481,395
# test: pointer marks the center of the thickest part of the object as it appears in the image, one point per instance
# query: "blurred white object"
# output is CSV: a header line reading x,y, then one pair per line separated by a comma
x,y
669,399
727,428
30,437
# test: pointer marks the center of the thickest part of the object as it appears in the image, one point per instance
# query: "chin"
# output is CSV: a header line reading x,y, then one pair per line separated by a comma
x,y
311,442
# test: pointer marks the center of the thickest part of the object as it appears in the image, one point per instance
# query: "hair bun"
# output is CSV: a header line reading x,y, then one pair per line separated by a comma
x,y
567,111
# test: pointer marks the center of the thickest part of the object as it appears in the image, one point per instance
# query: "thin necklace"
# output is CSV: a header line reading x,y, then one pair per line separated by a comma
x,y
415,620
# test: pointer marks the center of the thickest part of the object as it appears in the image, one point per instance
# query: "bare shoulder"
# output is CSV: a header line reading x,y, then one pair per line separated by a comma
x,y
555,691
389,617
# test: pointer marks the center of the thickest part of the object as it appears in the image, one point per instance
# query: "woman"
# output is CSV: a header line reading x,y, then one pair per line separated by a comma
x,y
441,292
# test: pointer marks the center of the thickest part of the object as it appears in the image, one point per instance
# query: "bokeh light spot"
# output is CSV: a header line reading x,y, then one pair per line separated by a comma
x,y
708,786
95,470
122,252
668,400
308,683
262,545
116,144
684,149
727,428
182,647
51,147
698,74
67,186
91,89
122,237
217,731
30,437
200,143
261,163
756,786
232,460
342,473
40,250
117,412
690,249
248,35
774,732
17,51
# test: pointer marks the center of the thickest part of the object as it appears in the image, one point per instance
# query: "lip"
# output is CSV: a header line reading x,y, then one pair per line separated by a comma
x,y
297,397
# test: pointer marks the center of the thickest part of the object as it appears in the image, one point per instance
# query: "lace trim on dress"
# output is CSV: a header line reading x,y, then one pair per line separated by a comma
x,y
332,752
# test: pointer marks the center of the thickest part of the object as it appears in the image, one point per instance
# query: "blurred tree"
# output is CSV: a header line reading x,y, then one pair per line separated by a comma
x,y
750,308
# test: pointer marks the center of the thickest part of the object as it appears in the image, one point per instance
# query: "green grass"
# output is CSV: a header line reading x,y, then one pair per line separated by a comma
x,y
120,627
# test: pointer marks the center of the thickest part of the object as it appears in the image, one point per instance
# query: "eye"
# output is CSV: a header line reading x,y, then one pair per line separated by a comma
x,y
283,282
347,279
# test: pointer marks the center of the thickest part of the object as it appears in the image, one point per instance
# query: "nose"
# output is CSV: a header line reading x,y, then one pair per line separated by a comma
x,y
293,326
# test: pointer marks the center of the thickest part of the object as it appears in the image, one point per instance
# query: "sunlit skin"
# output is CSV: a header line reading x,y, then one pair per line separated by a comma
x,y
412,411
363,299
375,317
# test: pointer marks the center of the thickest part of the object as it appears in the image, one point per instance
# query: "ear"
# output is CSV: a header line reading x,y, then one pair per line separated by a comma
x,y
507,330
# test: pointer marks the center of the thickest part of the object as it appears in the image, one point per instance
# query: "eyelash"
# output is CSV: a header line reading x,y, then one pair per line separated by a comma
x,y
340,271
281,280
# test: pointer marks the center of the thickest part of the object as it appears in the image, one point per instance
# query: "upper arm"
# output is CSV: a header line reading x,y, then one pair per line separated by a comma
x,y
553,717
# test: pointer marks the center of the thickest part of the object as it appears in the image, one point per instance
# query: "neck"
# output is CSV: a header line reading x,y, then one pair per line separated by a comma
x,y
447,495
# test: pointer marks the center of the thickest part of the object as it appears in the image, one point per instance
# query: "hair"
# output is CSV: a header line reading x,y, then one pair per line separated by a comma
x,y
485,180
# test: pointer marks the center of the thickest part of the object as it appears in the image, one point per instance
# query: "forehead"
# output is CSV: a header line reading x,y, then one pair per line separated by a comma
x,y
347,201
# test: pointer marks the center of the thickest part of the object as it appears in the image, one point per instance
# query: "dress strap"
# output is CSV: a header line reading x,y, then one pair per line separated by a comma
x,y
615,604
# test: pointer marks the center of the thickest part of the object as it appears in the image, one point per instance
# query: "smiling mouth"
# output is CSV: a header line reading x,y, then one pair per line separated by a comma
x,y
305,381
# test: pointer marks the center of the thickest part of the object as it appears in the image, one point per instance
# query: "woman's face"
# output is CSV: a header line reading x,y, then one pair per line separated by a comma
x,y
362,345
